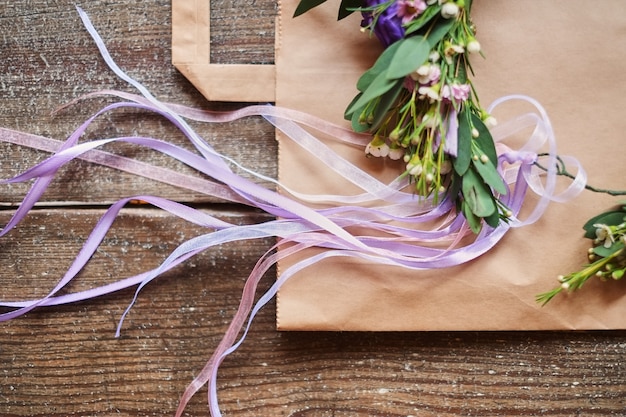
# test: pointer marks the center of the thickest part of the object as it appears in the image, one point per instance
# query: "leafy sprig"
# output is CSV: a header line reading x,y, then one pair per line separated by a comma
x,y
418,103
607,256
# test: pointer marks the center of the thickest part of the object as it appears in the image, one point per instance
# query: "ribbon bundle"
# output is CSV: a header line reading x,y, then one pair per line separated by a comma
x,y
394,236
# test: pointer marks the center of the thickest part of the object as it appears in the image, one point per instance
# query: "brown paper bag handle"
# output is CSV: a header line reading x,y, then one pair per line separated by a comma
x,y
217,82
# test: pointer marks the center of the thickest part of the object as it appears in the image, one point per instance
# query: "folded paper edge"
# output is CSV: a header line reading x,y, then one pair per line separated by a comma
x,y
216,82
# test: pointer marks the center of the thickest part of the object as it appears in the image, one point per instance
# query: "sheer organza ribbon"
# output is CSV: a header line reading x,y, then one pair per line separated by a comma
x,y
394,236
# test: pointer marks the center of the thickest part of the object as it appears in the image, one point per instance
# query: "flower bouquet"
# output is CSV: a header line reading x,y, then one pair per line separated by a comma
x,y
418,103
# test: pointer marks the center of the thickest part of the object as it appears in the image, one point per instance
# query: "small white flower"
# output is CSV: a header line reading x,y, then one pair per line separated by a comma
x,y
451,49
427,74
429,92
421,74
396,153
434,57
604,233
449,10
377,148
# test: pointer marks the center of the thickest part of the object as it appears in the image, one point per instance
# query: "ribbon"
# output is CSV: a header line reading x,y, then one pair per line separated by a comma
x,y
393,218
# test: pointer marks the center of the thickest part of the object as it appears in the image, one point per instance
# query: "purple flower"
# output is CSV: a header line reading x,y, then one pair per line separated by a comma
x,y
387,25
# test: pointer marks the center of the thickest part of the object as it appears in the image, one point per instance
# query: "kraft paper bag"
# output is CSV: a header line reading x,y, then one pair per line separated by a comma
x,y
569,55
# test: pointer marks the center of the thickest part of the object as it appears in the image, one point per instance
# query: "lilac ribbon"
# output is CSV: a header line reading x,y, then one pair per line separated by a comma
x,y
394,217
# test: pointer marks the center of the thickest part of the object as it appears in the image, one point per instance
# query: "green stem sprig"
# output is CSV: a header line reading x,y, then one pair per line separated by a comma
x,y
607,256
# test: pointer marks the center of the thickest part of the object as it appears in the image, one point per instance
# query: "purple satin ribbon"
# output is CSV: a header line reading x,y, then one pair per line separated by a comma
x,y
396,238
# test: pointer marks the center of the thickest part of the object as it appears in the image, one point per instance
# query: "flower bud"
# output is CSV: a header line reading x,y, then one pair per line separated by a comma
x,y
490,122
449,10
415,170
473,46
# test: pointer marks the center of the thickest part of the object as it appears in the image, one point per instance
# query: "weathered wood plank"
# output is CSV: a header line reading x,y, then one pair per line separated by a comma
x,y
49,59
71,352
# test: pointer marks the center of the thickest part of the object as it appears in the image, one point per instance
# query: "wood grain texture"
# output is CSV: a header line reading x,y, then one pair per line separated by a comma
x,y
65,361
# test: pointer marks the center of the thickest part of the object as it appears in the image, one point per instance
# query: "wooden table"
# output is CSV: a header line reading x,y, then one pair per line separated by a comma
x,y
66,361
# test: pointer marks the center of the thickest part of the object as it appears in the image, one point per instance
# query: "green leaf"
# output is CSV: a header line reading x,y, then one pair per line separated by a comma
x,y
347,115
306,5
463,158
494,219
604,252
377,88
412,52
386,101
357,126
472,220
485,140
491,176
610,218
440,30
477,195
424,18
381,65
348,7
